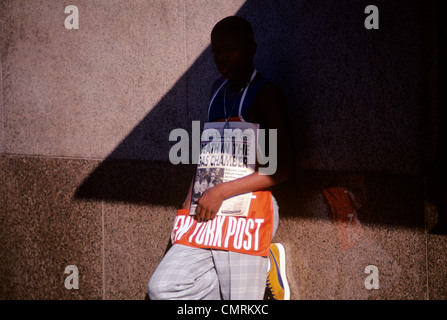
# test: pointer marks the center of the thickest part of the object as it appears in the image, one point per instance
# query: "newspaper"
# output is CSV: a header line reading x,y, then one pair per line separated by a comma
x,y
227,152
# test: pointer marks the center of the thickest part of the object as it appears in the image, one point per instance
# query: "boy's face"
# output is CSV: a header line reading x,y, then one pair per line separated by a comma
x,y
231,56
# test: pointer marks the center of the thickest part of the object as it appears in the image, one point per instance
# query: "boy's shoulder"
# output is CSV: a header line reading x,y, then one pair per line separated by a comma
x,y
217,83
268,92
268,104
268,88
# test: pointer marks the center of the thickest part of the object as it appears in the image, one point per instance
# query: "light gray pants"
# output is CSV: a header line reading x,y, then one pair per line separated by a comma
x,y
187,273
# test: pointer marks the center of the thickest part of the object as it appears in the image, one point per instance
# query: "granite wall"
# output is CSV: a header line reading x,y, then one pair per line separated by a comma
x,y
85,116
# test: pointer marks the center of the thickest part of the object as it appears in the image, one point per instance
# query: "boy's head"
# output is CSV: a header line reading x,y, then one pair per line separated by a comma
x,y
233,47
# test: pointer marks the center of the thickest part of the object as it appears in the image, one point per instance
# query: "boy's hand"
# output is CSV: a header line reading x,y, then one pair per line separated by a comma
x,y
209,204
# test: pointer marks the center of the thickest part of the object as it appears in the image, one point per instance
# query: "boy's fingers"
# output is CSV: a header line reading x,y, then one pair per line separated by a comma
x,y
204,214
209,215
198,212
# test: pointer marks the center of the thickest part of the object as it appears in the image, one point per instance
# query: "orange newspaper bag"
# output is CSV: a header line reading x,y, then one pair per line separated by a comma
x,y
250,235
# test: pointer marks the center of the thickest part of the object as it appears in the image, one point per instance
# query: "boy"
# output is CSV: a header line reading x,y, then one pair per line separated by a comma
x,y
189,271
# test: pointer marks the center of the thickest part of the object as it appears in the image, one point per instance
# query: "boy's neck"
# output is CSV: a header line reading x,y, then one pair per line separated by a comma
x,y
244,78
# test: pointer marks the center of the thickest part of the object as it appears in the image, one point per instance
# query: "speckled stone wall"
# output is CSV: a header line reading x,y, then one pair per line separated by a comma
x,y
85,117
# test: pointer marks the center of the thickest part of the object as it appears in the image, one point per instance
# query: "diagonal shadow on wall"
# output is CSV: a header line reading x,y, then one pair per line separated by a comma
x,y
354,102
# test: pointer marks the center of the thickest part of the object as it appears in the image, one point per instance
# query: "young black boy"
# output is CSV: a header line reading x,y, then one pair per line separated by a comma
x,y
192,271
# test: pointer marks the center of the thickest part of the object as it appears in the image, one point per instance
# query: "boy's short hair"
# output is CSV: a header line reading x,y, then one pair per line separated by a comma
x,y
237,26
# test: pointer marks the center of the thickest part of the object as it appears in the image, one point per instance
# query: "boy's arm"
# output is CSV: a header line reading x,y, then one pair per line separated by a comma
x,y
272,109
